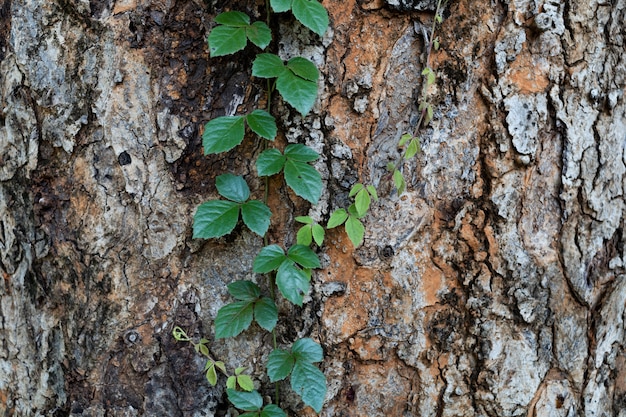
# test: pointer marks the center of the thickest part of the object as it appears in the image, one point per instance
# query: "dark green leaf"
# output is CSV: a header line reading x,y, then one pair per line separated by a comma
x,y
297,91
269,259
223,134
225,40
247,401
311,14
281,5
307,350
355,230
338,217
262,123
251,414
305,235
266,313
244,290
292,282
301,153
303,68
233,19
304,180
215,218
268,66
304,256
259,34
232,187
270,162
310,383
256,215
233,319
272,410
318,234
362,202
279,364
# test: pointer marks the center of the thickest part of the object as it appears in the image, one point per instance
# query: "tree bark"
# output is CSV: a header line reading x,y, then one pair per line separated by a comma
x,y
495,286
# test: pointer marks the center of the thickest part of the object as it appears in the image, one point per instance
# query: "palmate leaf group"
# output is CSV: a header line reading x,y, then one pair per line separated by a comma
x,y
234,31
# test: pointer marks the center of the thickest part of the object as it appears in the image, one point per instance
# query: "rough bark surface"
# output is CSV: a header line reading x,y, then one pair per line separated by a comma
x,y
495,286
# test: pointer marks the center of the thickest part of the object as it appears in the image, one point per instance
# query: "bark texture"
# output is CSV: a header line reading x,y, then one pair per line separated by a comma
x,y
495,286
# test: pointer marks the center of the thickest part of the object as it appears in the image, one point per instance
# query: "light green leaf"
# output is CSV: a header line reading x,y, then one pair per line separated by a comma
x,y
259,34
297,91
211,374
436,43
399,182
438,18
245,382
310,383
304,219
362,202
304,180
279,364
305,235
311,14
247,401
272,410
223,134
429,114
266,313
372,190
215,218
256,215
412,149
338,217
292,282
233,319
301,153
220,365
308,350
280,6
355,189
318,234
304,256
232,187
263,124
244,290
268,66
231,382
355,230
225,40
180,335
404,139
204,350
303,68
270,162
269,259
237,19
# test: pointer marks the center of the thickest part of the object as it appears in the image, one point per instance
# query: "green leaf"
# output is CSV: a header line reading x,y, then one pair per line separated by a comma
x,y
204,350
239,370
237,19
305,235
268,66
180,335
355,230
303,68
338,218
297,91
259,34
279,364
220,365
304,180
307,350
251,414
244,290
232,187
247,401
256,215
372,190
310,383
223,134
436,43
233,319
245,382
318,234
430,76
355,189
215,218
269,259
362,202
438,18
399,182
304,256
225,40
263,124
412,149
292,282
301,153
304,219
266,313
429,114
311,14
231,382
272,410
280,6
211,374
404,139
270,162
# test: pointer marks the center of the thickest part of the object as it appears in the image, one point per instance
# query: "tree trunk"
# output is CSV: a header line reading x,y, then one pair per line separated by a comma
x,y
494,286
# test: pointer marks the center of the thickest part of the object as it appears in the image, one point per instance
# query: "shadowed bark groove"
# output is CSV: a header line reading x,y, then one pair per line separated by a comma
x,y
495,286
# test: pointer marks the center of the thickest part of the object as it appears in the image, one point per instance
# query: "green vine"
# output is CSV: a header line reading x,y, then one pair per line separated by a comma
x,y
288,270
